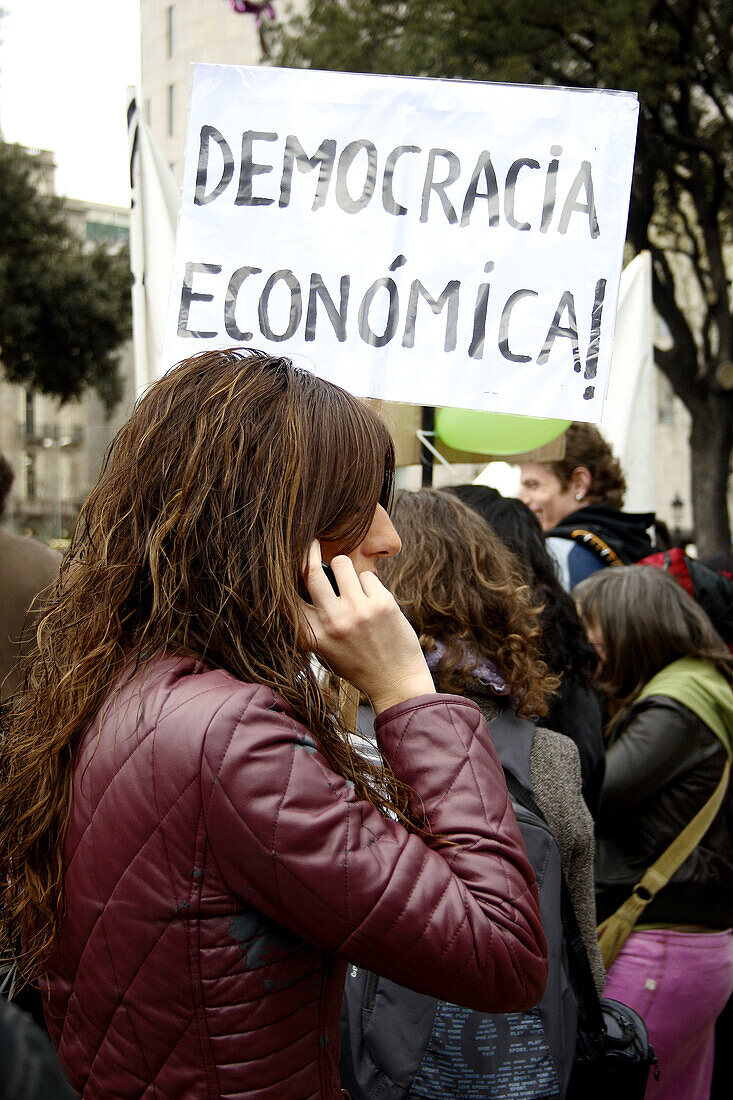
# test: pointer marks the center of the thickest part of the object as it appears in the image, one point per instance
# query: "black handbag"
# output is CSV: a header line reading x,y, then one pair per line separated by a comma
x,y
613,1055
613,1060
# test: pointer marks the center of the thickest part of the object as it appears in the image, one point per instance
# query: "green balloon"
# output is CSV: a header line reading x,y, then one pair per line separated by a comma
x,y
495,433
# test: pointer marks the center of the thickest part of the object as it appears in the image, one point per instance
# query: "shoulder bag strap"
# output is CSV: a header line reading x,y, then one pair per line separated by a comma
x,y
615,930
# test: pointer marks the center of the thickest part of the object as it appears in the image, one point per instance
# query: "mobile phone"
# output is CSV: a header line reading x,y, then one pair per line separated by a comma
x,y
331,580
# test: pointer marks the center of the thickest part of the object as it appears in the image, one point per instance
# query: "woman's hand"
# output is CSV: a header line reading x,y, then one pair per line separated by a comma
x,y
362,633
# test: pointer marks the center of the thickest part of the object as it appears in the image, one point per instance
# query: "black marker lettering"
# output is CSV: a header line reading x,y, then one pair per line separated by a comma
x,y
324,156
476,348
365,330
343,198
439,186
591,362
569,331
337,317
230,303
504,326
548,203
583,179
511,184
388,199
491,194
449,295
200,197
189,295
296,306
248,168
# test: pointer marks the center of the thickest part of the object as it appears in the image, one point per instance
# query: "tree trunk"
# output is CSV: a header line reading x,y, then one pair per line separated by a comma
x,y
711,441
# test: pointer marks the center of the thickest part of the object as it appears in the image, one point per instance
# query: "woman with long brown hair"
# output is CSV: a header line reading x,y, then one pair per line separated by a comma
x,y
668,677
466,596
190,850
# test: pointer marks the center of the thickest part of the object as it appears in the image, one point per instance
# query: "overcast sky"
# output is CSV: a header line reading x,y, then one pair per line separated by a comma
x,y
64,69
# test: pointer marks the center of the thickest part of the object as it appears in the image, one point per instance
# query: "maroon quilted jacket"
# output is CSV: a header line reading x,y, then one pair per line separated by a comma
x,y
219,875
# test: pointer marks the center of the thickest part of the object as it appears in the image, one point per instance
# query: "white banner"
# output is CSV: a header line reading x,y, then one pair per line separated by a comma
x,y
629,416
429,241
155,200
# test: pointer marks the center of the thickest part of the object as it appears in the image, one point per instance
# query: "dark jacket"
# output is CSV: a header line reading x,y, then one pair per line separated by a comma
x,y
29,1068
624,532
218,874
662,765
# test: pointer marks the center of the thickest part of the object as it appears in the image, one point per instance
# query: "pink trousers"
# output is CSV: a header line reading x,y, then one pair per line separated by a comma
x,y
679,983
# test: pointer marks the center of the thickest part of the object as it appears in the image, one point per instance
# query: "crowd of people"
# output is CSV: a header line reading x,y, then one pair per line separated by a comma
x,y
298,773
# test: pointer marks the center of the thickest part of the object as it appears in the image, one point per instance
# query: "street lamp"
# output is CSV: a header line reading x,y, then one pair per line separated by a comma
x,y
677,504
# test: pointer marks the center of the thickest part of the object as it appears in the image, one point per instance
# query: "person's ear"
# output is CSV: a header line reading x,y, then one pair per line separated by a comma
x,y
580,483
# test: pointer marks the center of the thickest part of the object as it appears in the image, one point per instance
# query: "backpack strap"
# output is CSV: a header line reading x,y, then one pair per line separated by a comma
x,y
595,543
581,976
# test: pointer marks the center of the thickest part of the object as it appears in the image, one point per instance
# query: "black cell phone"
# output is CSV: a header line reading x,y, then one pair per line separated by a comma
x,y
331,580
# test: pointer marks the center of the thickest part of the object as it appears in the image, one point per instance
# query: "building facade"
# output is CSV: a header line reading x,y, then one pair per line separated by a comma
x,y
176,33
57,451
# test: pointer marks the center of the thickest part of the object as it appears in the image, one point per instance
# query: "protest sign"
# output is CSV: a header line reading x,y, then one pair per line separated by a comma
x,y
428,241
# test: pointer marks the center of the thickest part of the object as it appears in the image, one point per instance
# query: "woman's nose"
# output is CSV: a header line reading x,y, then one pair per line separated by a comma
x,y
383,538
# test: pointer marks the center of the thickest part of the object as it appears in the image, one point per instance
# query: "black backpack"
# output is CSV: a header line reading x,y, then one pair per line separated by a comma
x,y
396,1043
712,589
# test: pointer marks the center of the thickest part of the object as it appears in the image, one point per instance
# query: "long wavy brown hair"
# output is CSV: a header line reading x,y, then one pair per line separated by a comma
x,y
646,620
457,583
192,543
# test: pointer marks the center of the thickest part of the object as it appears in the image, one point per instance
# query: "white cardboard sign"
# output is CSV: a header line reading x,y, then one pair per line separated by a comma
x,y
430,241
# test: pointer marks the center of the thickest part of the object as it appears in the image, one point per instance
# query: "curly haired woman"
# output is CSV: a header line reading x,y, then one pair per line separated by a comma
x,y
574,709
466,596
477,621
190,850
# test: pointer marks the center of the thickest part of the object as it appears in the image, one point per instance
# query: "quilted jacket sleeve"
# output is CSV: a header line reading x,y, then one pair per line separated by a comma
x,y
455,917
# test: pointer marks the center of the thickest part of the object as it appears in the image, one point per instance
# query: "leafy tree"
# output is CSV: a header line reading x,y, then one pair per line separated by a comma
x,y
65,309
678,55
